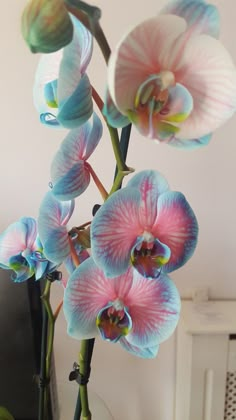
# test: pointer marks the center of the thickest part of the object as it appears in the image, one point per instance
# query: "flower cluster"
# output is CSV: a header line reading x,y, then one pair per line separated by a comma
x,y
174,80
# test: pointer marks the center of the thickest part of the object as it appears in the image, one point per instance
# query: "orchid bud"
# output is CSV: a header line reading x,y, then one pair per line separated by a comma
x,y
46,25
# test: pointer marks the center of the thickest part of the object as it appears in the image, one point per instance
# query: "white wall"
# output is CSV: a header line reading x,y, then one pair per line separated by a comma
x,y
134,389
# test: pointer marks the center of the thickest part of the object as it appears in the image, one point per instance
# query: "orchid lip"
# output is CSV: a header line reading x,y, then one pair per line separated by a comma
x,y
114,321
149,255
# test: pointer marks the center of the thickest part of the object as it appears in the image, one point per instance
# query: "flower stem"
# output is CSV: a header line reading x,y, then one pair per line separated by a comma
x,y
84,364
97,181
120,162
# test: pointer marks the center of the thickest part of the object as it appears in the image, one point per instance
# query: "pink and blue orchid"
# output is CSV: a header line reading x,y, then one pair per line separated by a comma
x,y
128,309
70,170
21,251
172,78
52,226
146,225
62,91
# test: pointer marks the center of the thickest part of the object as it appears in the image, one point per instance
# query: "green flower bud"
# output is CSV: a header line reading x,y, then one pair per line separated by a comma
x,y
46,25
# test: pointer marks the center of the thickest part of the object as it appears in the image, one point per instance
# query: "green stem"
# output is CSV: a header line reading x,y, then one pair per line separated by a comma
x,y
51,325
84,365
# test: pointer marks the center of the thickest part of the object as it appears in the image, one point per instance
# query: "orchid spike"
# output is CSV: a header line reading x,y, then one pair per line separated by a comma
x,y
172,78
62,91
128,309
52,226
146,225
21,251
69,170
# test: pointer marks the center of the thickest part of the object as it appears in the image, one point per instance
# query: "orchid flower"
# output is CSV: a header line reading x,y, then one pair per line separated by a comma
x,y
21,251
128,309
146,225
46,25
70,171
172,78
52,226
62,91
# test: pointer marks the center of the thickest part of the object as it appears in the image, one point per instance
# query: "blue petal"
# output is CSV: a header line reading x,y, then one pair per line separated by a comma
x,y
56,245
52,220
191,144
144,352
77,109
200,16
73,183
112,114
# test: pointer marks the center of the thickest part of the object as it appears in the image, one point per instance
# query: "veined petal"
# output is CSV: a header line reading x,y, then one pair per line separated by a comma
x,y
12,241
176,226
56,246
31,229
150,185
92,136
154,307
179,105
72,66
190,144
69,72
141,53
114,231
207,71
76,109
56,212
72,184
52,220
112,114
144,352
87,291
200,17
85,41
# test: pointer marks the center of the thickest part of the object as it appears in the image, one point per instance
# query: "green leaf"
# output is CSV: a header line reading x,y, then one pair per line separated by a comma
x,y
5,415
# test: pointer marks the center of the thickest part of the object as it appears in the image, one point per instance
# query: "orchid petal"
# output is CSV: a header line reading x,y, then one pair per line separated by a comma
x,y
31,229
176,226
70,68
207,71
150,185
112,114
91,136
85,41
72,184
114,231
56,244
70,176
200,17
87,291
144,352
52,220
154,307
190,144
14,239
147,50
76,109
